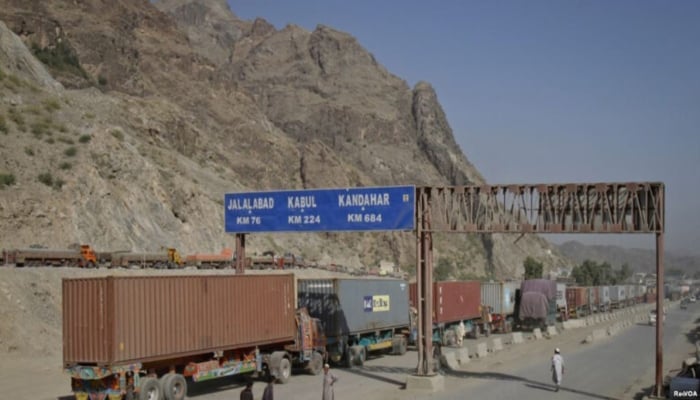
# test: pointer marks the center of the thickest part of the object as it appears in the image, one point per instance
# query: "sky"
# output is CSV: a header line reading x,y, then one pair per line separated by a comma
x,y
547,91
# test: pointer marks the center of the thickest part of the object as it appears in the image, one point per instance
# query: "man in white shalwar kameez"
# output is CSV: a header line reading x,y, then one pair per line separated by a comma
x,y
557,368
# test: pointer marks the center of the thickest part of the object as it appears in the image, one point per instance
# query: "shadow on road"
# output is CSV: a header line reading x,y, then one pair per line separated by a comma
x,y
527,382
644,392
374,371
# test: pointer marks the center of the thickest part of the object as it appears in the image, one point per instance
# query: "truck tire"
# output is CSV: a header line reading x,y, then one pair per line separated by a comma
x,y
315,364
349,359
400,346
174,387
360,355
150,389
284,370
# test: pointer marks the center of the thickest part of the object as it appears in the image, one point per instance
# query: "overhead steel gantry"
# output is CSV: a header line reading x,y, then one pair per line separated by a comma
x,y
631,207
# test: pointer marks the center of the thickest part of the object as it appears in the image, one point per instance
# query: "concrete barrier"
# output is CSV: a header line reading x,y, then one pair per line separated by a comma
x,y
481,350
496,345
613,329
537,333
450,360
571,324
435,383
462,355
552,331
516,337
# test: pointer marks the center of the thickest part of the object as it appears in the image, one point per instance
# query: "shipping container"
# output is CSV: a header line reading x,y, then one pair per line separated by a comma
x,y
453,301
121,333
618,296
562,308
593,298
577,300
150,318
500,296
604,304
359,315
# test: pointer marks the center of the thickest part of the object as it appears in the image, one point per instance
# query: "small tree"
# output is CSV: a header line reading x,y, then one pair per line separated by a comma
x,y
533,268
443,270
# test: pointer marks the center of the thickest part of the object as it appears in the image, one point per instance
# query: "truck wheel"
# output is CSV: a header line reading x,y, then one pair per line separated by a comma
x,y
174,387
361,357
476,332
349,359
150,389
403,345
315,364
285,370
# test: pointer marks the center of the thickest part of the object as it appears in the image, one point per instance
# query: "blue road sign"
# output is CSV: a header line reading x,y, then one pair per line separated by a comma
x,y
321,210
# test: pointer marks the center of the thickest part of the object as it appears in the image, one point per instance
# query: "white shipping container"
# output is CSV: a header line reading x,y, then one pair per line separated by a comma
x,y
500,296
561,296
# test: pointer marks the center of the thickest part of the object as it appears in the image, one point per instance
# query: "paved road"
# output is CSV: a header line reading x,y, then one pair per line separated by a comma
x,y
617,367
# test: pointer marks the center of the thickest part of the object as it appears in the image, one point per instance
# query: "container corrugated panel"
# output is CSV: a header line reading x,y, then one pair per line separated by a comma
x,y
453,301
593,296
349,306
604,294
617,293
576,297
561,295
128,319
500,296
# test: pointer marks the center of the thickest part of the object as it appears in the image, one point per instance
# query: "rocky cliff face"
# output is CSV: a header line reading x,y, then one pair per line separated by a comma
x,y
167,106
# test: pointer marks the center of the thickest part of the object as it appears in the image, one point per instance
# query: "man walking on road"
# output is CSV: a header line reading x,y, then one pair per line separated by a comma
x,y
557,368
328,380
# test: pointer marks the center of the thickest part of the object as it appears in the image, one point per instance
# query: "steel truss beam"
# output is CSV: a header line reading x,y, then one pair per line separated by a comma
x,y
546,208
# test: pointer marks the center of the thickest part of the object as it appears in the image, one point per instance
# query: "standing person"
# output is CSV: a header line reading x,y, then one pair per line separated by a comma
x,y
557,368
247,393
328,380
268,393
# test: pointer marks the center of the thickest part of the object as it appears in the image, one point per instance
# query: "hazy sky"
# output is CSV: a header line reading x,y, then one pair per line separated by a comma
x,y
547,91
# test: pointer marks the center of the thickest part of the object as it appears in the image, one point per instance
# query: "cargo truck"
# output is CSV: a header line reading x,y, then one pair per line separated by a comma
x,y
147,337
537,303
577,301
604,303
500,298
562,307
360,316
618,296
457,311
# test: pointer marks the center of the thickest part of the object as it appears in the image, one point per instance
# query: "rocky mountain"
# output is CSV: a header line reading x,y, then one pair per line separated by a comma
x,y
639,260
124,123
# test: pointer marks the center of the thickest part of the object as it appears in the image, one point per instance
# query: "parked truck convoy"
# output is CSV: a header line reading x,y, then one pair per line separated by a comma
x,y
360,316
143,336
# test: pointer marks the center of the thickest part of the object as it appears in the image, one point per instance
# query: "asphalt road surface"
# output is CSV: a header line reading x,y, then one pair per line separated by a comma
x,y
617,367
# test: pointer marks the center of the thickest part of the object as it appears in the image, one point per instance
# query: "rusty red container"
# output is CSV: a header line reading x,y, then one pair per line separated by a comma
x,y
120,320
576,297
452,300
